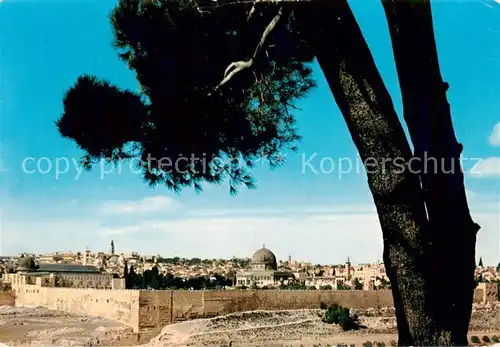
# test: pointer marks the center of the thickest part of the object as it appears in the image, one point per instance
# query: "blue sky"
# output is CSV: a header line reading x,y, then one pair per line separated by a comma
x,y
46,45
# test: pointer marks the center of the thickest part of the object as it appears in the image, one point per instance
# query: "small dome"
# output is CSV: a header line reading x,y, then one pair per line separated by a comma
x,y
26,264
264,257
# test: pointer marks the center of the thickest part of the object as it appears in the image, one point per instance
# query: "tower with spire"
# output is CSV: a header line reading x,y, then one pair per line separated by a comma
x,y
86,256
112,248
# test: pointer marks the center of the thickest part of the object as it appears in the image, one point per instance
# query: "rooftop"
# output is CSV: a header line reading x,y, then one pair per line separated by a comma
x,y
68,268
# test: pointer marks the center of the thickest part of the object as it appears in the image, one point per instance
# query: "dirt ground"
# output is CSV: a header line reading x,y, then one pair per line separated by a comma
x,y
22,326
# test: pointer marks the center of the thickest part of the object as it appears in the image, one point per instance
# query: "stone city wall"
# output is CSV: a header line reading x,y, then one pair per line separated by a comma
x,y
159,308
486,292
118,305
151,310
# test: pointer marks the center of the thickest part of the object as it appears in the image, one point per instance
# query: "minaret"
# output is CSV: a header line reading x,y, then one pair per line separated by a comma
x,y
112,247
86,256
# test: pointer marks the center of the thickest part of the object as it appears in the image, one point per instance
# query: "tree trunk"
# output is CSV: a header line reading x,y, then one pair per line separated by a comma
x,y
377,133
427,113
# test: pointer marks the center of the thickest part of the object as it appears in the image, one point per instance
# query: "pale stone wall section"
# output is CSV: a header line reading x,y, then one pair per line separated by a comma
x,y
155,309
118,305
478,295
486,292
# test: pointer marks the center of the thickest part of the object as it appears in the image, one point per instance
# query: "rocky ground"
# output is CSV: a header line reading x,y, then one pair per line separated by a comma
x,y
21,326
302,328
42,327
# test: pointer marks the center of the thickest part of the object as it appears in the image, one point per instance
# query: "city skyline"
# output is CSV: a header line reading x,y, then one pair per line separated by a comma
x,y
179,256
322,216
348,259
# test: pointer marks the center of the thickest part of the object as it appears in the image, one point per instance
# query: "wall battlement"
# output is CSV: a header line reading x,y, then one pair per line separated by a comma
x,y
270,290
148,310
103,290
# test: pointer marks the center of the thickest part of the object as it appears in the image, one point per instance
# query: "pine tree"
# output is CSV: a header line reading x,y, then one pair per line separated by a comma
x,y
126,277
194,102
132,276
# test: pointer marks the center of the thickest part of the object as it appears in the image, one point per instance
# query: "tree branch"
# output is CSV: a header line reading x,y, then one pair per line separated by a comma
x,y
252,10
236,67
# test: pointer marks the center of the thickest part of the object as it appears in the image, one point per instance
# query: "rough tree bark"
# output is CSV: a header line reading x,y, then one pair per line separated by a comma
x,y
452,232
366,105
430,310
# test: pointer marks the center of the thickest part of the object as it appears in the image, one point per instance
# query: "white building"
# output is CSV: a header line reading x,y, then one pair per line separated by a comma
x,y
61,275
264,271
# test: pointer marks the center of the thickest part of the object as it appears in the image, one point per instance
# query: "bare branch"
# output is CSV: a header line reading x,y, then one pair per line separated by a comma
x,y
252,10
236,67
270,27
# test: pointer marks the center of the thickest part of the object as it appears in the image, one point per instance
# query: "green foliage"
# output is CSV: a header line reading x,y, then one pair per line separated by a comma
x,y
326,287
180,127
357,284
126,277
495,339
475,339
342,286
336,314
152,279
294,286
383,283
380,344
367,344
486,339
480,261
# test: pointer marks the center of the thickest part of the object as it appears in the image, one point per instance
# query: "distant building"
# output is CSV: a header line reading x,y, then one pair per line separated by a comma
x,y
61,275
264,271
87,259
